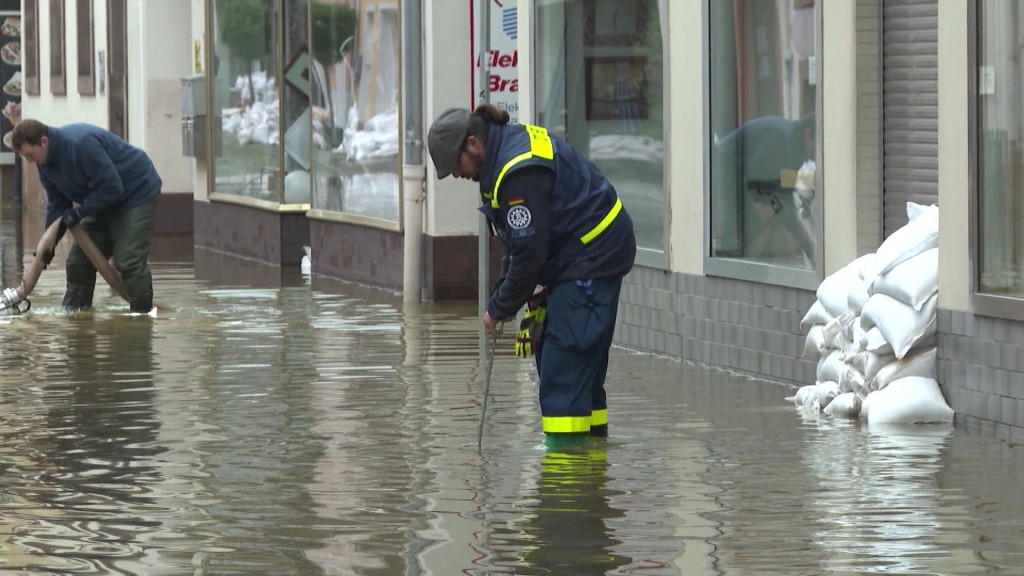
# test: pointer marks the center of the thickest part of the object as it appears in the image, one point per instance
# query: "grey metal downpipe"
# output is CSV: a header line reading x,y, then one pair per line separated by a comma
x,y
414,172
483,24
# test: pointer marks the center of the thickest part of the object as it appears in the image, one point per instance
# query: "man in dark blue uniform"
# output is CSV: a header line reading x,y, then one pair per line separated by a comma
x,y
563,227
94,178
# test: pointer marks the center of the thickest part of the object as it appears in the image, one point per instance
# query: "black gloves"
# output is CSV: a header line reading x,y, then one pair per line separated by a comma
x,y
71,217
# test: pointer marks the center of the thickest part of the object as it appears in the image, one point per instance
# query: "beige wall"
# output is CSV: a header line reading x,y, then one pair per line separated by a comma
x,y
838,136
159,55
450,204
69,108
685,136
154,70
954,183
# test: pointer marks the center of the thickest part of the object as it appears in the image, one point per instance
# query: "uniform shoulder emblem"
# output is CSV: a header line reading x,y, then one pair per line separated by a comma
x,y
519,217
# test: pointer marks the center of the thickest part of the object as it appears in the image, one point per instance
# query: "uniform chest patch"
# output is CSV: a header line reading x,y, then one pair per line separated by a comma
x,y
519,217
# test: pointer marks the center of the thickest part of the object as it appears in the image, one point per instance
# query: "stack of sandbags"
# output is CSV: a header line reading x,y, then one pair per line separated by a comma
x,y
873,324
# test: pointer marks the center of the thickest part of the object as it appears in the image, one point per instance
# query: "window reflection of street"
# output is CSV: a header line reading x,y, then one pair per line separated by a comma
x,y
600,82
95,448
763,93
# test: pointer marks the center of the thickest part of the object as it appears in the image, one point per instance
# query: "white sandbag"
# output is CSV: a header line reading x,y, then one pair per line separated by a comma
x,y
844,406
850,338
900,324
918,235
865,405
857,297
829,332
869,363
801,395
923,363
875,342
815,396
914,210
814,343
846,324
913,281
912,400
867,269
852,381
816,315
832,368
851,345
833,292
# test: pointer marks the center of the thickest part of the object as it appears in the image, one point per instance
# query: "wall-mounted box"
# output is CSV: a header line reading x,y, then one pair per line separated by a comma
x,y
193,95
193,136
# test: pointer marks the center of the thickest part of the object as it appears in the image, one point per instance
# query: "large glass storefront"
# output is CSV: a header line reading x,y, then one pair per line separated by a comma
x,y
599,74
307,94
1000,148
763,205
244,90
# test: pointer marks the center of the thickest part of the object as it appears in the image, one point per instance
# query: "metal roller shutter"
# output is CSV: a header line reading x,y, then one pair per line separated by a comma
x,y
910,107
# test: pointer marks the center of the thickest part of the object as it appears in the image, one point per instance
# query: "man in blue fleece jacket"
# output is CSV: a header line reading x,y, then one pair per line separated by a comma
x,y
96,179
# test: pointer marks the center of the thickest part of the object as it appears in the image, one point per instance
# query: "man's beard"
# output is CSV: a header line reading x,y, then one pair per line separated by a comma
x,y
478,163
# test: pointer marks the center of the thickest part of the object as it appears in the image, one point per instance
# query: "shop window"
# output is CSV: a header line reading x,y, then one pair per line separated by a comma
x,y
355,96
599,71
307,94
245,93
86,74
58,79
763,95
999,164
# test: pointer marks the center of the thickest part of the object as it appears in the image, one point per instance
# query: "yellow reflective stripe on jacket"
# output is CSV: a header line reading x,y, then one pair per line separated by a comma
x,y
565,424
586,238
540,147
599,417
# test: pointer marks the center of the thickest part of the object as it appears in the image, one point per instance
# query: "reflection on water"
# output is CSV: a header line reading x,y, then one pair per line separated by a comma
x,y
267,426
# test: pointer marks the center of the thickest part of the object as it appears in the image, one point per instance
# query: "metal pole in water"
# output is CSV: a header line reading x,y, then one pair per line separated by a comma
x,y
487,392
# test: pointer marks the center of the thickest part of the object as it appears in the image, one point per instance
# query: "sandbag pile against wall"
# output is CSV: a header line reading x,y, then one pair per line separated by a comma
x,y
873,324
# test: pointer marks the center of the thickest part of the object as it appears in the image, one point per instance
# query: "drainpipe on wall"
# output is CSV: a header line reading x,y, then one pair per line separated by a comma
x,y
483,25
414,172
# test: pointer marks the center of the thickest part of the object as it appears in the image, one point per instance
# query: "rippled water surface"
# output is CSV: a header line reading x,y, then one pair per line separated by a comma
x,y
330,429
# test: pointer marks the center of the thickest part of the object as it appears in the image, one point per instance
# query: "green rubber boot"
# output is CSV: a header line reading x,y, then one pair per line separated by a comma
x,y
562,441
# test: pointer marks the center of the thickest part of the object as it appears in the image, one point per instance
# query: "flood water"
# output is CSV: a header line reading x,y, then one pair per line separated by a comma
x,y
331,429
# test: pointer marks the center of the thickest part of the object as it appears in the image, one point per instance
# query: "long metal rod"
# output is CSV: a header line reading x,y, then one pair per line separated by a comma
x,y
493,344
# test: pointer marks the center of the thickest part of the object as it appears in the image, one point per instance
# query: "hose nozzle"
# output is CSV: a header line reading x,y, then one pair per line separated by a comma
x,y
12,302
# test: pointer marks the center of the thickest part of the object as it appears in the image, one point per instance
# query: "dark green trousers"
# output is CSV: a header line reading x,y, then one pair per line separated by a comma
x,y
125,237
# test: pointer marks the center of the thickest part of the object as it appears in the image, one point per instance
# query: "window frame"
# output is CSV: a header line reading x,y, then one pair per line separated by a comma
x,y
30,49
58,49
738,268
981,303
85,53
645,255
